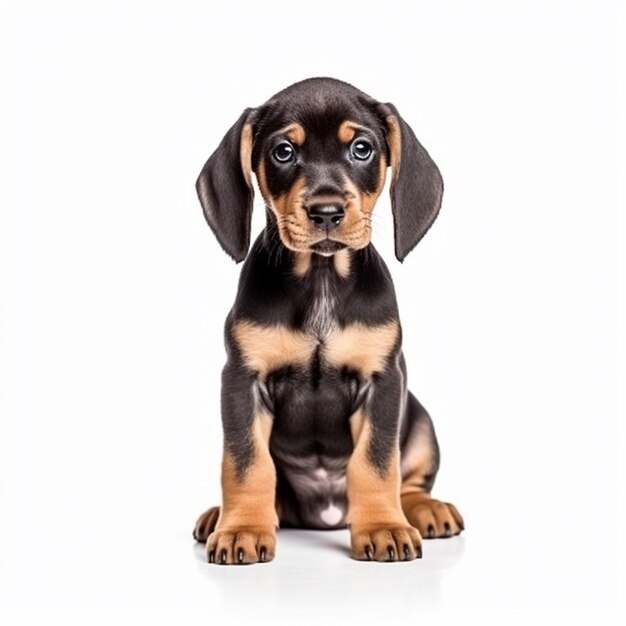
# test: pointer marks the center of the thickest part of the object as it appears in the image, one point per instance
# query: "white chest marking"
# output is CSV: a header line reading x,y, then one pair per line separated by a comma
x,y
321,320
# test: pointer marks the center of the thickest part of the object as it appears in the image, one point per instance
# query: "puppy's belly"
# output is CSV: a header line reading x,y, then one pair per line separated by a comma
x,y
311,443
312,492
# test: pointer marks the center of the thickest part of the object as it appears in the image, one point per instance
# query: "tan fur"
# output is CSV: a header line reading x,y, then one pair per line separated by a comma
x,y
266,348
262,180
379,529
355,227
417,461
374,498
326,199
245,153
368,200
293,222
431,517
295,133
248,502
394,140
341,259
357,421
245,531
364,348
285,203
361,347
302,263
347,131
342,263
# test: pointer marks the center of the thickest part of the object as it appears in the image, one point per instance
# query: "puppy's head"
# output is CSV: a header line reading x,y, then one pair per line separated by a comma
x,y
320,151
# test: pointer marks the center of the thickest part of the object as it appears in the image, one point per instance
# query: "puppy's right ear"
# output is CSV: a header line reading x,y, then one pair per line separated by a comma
x,y
225,188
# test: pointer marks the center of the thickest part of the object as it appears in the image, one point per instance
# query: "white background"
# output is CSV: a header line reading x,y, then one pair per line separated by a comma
x,y
114,294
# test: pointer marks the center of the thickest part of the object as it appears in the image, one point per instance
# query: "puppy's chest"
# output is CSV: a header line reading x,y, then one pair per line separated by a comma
x,y
320,319
361,347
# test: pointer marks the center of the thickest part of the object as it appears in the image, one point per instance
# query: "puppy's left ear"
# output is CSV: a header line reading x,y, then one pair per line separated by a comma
x,y
225,188
416,183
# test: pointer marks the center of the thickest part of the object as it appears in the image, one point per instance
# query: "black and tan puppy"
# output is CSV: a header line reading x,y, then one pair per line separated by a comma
x,y
320,430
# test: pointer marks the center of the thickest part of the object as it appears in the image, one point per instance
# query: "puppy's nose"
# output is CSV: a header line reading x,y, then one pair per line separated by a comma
x,y
326,216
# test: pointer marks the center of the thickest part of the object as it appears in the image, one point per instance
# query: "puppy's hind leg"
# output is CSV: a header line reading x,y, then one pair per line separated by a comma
x,y
206,524
419,463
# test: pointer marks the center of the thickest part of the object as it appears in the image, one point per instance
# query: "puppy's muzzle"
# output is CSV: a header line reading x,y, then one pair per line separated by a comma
x,y
326,216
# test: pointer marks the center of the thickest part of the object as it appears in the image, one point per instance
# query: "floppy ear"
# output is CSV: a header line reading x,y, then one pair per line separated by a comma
x,y
225,189
416,183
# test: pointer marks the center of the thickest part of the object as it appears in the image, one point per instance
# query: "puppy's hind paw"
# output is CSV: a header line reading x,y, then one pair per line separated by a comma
x,y
206,524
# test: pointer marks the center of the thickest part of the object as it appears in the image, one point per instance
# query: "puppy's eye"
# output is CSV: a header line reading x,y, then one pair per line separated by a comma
x,y
284,152
361,149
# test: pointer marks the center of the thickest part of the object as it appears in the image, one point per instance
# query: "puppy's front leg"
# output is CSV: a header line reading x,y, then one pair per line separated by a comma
x,y
246,528
379,529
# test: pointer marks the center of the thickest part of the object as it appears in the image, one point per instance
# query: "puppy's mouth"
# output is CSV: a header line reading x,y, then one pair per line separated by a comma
x,y
328,246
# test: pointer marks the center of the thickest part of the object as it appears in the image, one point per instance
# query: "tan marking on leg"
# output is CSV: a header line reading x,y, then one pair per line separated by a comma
x,y
265,422
341,260
245,153
295,133
418,459
357,421
266,348
246,527
249,501
431,517
301,263
364,348
379,529
373,499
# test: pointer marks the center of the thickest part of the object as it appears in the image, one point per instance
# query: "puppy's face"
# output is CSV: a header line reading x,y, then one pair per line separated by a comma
x,y
320,150
320,168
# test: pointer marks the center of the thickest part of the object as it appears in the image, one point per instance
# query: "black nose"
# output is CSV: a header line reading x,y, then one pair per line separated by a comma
x,y
326,216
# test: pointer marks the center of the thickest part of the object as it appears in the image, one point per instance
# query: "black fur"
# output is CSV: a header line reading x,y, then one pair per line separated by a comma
x,y
226,195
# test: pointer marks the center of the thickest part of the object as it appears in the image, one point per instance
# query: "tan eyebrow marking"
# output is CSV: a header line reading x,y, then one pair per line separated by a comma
x,y
295,133
348,130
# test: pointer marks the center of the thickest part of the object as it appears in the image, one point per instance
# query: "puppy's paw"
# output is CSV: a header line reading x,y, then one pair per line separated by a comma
x,y
434,519
206,524
385,543
241,545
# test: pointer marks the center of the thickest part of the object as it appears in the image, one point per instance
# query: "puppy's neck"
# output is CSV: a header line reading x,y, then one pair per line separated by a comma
x,y
316,283
319,277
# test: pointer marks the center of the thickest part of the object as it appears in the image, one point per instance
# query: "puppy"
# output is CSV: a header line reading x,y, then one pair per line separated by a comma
x,y
320,430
